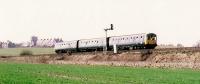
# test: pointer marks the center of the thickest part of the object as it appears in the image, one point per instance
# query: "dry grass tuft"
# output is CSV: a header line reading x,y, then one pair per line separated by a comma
x,y
26,52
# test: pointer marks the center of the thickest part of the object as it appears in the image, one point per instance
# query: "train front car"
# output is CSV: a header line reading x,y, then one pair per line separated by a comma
x,y
151,41
134,41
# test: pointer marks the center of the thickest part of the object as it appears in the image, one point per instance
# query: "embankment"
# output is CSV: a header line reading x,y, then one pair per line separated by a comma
x,y
183,59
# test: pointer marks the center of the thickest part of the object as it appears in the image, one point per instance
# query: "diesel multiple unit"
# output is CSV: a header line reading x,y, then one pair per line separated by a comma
x,y
134,41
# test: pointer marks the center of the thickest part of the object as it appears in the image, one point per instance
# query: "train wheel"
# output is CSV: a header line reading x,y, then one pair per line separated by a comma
x,y
59,52
134,47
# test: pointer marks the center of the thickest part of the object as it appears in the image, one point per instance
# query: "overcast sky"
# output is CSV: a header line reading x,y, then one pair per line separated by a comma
x,y
174,21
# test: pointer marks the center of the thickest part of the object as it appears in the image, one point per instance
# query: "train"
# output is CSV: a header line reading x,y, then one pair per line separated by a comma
x,y
133,41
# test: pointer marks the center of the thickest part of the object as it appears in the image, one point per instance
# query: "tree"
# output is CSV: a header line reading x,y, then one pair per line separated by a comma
x,y
34,40
197,44
11,44
179,45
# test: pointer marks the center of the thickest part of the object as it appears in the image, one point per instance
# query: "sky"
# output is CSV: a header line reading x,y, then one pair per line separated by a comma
x,y
174,21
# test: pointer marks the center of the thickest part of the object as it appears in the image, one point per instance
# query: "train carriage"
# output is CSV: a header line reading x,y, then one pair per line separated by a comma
x,y
92,44
67,46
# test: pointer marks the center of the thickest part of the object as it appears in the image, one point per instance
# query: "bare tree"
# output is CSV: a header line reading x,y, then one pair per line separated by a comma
x,y
11,44
197,44
34,40
179,45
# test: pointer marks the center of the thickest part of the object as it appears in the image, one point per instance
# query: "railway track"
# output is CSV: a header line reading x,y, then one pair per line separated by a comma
x,y
184,49
160,50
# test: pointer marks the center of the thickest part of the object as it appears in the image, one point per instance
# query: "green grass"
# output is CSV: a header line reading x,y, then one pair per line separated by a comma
x,y
11,73
17,51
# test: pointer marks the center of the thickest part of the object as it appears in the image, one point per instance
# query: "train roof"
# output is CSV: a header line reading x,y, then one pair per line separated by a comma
x,y
128,35
93,38
109,36
67,41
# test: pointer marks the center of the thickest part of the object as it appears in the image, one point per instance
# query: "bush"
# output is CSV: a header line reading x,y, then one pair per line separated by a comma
x,y
26,52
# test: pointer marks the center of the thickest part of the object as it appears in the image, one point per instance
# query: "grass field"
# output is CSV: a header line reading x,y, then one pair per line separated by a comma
x,y
17,51
11,73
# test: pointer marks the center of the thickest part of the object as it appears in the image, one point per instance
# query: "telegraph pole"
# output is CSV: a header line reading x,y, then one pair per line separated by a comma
x,y
111,28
